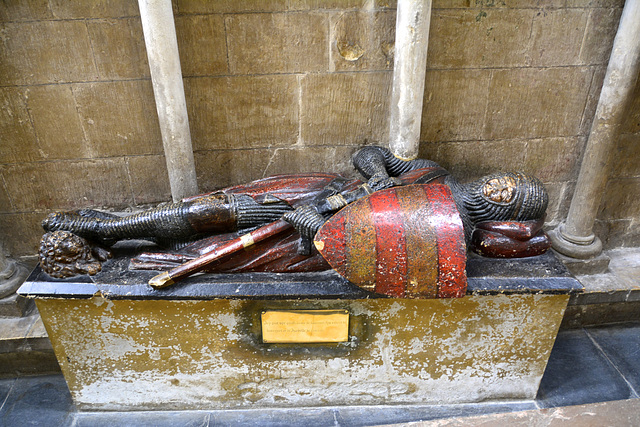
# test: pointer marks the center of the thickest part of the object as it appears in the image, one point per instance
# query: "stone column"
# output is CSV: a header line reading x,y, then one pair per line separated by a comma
x,y
164,62
409,67
11,277
574,237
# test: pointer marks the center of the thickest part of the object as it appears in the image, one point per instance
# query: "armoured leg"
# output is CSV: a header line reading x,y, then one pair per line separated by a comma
x,y
216,213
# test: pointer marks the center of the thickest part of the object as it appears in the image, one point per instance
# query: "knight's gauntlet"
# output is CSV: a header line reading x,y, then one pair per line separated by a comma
x,y
306,219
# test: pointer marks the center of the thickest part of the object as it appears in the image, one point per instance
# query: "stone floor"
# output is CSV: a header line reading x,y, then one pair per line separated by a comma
x,y
587,365
621,413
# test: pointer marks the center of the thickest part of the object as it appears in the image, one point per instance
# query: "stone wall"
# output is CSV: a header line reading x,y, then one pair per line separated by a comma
x,y
285,86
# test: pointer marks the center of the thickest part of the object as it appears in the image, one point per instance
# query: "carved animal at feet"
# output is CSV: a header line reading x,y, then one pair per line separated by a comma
x,y
63,254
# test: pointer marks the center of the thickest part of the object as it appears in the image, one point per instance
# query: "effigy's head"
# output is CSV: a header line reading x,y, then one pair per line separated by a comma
x,y
506,196
63,254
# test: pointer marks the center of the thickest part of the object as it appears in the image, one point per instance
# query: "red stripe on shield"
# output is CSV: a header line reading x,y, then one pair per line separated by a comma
x,y
391,261
452,277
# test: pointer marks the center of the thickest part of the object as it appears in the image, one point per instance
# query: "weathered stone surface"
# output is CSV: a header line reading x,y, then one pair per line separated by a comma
x,y
202,45
498,4
222,168
173,354
632,122
478,38
619,413
536,102
595,3
149,179
592,99
626,158
19,141
557,36
68,184
345,109
554,159
277,43
599,34
454,104
620,199
64,9
428,150
578,316
46,52
312,159
231,6
597,265
362,40
56,121
118,46
25,10
5,201
21,232
243,112
556,192
618,233
471,160
119,118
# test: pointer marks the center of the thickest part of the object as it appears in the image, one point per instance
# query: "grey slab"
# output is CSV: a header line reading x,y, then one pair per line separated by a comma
x,y
143,419
347,416
623,413
540,274
579,373
621,344
577,316
37,401
372,416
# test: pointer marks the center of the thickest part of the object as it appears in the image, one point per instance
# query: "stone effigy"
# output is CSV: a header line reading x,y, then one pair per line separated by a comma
x,y
289,327
500,215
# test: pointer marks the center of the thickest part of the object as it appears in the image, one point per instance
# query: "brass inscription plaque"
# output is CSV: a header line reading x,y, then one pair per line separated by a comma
x,y
305,326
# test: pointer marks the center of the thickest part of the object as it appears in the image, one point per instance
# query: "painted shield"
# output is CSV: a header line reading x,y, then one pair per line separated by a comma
x,y
404,242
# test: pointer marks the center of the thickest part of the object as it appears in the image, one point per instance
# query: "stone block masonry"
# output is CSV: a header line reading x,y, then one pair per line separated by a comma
x,y
282,87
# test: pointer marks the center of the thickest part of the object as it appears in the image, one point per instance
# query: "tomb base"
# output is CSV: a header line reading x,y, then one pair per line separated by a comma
x,y
200,344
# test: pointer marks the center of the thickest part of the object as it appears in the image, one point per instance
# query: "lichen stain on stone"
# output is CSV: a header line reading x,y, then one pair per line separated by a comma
x,y
190,354
350,51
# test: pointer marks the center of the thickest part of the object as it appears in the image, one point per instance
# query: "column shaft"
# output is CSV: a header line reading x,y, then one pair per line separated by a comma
x,y
409,68
575,237
166,75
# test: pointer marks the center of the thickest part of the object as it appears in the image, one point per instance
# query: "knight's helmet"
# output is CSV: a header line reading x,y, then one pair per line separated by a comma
x,y
505,196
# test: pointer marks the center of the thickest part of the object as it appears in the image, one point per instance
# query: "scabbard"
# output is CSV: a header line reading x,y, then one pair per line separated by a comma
x,y
194,266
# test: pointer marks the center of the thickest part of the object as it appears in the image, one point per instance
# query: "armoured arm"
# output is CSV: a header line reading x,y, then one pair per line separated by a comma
x,y
377,161
378,165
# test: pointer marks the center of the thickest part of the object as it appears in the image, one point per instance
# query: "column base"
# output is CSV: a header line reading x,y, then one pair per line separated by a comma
x,y
582,267
574,247
12,305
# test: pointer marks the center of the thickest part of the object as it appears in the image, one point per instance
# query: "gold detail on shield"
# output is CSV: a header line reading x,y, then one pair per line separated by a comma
x,y
305,326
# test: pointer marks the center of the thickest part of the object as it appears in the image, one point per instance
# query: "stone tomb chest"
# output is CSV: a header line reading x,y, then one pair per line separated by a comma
x,y
201,345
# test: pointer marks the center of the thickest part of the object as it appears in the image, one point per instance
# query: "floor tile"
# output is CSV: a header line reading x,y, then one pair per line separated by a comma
x,y
5,387
346,416
376,415
37,401
621,344
622,413
625,264
143,419
579,373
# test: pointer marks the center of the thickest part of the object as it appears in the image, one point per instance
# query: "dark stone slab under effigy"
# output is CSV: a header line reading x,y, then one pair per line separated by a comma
x,y
486,276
